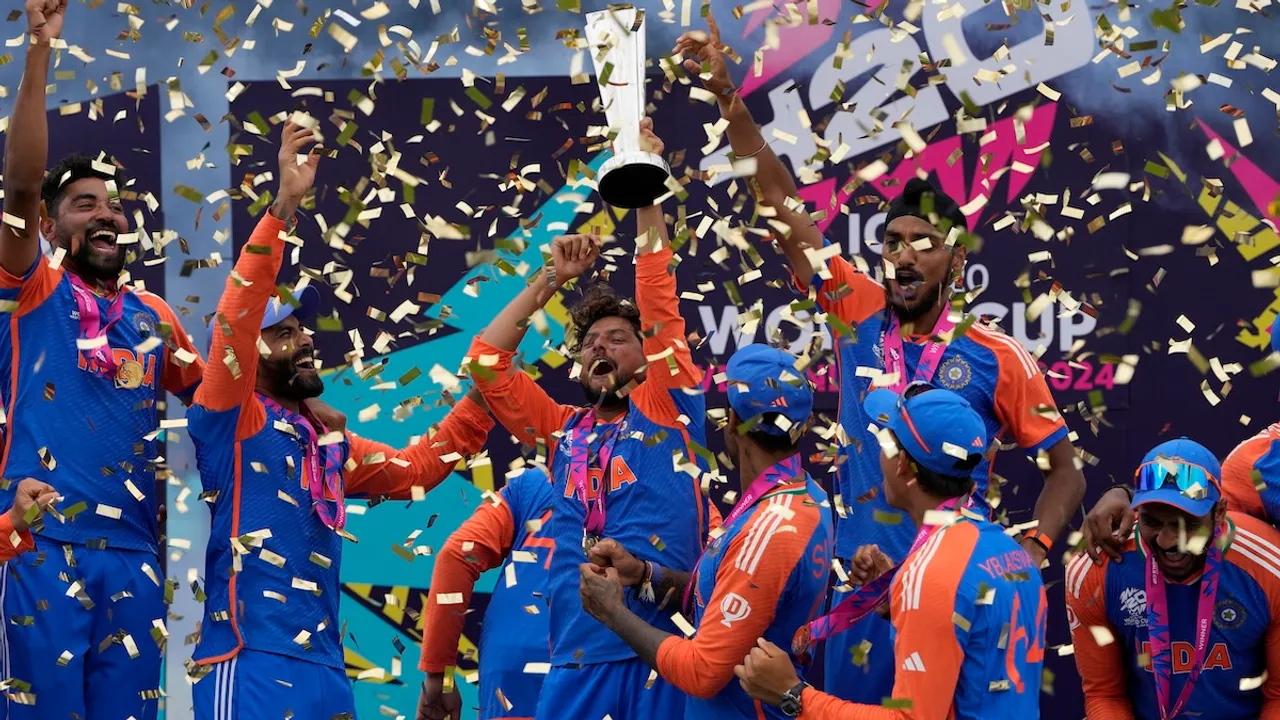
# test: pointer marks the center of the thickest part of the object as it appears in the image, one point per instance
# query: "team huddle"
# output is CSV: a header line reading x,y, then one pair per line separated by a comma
x,y
625,593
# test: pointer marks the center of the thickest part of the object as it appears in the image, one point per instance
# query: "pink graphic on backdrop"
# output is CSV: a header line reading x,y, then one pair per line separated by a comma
x,y
1261,187
997,156
794,43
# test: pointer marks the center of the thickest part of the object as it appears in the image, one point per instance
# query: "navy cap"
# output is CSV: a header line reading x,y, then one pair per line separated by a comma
x,y
764,379
937,428
277,310
1182,473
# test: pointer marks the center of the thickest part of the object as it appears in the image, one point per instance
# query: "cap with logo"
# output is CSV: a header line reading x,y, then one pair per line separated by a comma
x,y
1181,473
939,429
308,299
763,379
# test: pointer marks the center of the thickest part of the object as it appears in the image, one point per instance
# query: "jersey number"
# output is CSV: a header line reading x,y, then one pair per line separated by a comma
x,y
1018,633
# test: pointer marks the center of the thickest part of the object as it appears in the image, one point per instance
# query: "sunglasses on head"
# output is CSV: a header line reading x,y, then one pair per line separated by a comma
x,y
1190,479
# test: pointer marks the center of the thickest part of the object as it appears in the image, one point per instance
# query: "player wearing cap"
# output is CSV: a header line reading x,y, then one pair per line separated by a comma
x,y
967,607
765,575
505,531
621,467
1250,485
1186,622
87,362
909,329
276,477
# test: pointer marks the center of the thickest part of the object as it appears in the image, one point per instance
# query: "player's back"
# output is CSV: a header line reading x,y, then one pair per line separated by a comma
x,y
515,629
975,579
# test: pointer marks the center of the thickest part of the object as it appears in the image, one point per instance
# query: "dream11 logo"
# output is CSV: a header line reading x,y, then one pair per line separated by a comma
x,y
1014,149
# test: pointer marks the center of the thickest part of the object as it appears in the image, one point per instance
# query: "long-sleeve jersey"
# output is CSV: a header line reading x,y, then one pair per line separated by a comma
x,y
1107,612
764,577
504,531
272,565
968,612
1251,476
94,438
12,542
654,505
989,369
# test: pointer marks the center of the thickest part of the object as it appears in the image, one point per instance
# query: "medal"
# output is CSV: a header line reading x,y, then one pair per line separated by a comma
x,y
129,375
589,541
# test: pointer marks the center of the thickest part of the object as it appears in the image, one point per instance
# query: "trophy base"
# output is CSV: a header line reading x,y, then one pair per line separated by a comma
x,y
633,179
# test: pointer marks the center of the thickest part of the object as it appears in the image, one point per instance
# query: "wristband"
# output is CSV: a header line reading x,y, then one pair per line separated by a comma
x,y
1126,487
1039,538
652,578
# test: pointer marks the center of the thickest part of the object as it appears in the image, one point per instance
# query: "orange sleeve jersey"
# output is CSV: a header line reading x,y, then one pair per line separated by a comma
x,y
968,610
12,542
378,469
1251,476
506,531
1107,612
765,576
523,408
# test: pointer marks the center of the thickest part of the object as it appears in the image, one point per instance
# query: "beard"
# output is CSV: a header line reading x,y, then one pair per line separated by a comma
x,y
928,301
86,262
603,398
282,379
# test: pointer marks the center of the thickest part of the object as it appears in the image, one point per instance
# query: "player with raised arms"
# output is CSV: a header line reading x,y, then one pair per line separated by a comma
x,y
1184,621
619,465
506,531
87,360
910,330
765,575
277,468
968,606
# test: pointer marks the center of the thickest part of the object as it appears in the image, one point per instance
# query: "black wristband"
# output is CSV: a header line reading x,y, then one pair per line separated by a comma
x,y
1126,487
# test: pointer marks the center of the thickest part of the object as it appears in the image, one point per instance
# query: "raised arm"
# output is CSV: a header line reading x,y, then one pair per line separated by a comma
x,y
670,362
233,356
382,470
26,148
777,187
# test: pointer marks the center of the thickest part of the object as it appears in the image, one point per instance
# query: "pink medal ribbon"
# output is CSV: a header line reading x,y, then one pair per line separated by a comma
x,y
1158,627
774,475
580,473
98,359
321,467
930,357
863,601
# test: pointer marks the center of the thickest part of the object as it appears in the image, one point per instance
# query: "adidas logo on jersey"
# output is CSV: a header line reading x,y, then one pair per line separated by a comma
x,y
913,663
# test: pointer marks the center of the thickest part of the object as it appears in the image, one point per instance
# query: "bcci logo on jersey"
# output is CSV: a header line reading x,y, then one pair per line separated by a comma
x,y
1133,601
955,374
1229,615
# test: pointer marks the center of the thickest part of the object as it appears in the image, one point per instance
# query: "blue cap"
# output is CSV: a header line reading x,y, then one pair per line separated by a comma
x,y
1174,473
1275,337
764,379
934,427
277,310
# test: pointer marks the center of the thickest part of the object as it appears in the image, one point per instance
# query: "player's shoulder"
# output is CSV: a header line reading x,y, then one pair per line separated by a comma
x,y
151,300
947,551
531,489
1012,358
1084,577
1252,449
1255,548
782,521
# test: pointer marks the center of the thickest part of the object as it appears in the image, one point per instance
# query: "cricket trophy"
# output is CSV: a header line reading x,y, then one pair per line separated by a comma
x,y
632,178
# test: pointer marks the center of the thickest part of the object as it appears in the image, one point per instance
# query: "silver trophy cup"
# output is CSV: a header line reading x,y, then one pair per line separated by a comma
x,y
632,178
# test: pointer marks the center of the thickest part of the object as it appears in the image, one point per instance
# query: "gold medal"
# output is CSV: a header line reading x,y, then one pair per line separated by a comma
x,y
129,375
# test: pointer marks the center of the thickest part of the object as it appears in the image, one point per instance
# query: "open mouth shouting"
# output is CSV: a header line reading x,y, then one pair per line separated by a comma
x,y
600,369
909,282
304,362
102,240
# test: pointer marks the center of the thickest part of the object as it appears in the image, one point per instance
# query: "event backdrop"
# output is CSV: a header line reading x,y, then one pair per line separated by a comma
x,y
1126,229
1085,255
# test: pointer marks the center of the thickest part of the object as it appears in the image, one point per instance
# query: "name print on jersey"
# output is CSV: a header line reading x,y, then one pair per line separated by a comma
x,y
619,474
